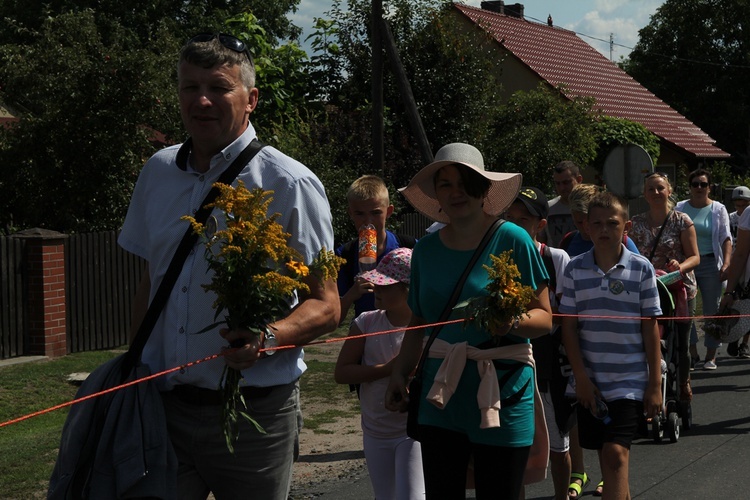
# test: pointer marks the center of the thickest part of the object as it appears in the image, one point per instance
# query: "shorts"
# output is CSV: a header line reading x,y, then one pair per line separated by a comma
x,y
559,442
625,415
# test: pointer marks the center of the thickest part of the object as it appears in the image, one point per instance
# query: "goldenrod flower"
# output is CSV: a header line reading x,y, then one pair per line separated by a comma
x,y
255,275
506,300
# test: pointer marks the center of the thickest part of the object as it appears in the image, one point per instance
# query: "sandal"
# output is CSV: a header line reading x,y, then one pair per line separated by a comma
x,y
599,489
574,490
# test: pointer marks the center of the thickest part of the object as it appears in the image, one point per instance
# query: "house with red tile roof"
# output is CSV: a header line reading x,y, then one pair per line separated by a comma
x,y
534,52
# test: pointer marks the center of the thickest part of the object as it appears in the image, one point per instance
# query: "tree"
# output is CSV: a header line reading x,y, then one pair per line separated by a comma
x,y
537,129
93,88
695,55
70,163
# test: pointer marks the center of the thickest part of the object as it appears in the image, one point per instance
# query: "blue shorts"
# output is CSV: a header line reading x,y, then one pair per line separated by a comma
x,y
625,415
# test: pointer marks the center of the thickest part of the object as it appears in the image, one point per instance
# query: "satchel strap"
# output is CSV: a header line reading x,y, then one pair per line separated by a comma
x,y
189,239
457,291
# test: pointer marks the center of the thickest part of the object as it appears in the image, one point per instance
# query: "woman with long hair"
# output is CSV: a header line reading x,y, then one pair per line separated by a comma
x,y
667,238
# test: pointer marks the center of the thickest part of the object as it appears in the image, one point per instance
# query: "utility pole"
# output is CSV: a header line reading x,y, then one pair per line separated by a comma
x,y
611,45
378,149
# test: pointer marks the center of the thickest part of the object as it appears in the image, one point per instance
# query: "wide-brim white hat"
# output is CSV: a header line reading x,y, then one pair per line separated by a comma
x,y
420,192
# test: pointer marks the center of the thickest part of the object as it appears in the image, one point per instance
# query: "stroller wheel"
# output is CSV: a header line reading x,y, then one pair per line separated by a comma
x,y
673,427
657,431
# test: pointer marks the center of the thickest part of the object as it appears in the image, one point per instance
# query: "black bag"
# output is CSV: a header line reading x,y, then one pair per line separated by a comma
x,y
415,385
412,418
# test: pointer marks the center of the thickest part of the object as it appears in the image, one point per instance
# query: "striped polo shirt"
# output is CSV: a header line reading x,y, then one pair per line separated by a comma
x,y
612,347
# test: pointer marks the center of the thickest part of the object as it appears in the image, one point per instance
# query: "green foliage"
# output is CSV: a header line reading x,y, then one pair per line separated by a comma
x,y
611,131
538,129
94,85
90,103
281,80
695,55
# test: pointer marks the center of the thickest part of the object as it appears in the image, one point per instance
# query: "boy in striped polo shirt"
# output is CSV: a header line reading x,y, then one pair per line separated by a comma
x,y
614,359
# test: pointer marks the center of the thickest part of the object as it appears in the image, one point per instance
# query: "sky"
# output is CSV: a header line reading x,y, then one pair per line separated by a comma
x,y
593,20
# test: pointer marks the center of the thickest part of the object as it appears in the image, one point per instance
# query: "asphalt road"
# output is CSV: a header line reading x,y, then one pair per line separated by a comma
x,y
711,460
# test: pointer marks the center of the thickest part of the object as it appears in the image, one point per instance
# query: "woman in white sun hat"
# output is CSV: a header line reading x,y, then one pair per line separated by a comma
x,y
457,190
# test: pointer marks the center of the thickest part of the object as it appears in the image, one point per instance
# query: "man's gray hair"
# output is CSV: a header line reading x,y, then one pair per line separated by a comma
x,y
213,53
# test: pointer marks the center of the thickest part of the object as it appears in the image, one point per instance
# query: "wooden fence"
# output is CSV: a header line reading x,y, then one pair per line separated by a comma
x,y
101,280
13,310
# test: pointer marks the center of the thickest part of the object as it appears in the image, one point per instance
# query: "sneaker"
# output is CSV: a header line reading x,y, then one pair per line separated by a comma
x,y
709,365
733,349
744,351
699,364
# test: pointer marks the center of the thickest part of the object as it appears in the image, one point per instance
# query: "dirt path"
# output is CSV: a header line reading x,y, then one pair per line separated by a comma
x,y
327,457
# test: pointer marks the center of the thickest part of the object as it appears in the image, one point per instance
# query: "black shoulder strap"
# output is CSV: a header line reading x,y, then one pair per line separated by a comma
x,y
549,264
457,290
183,250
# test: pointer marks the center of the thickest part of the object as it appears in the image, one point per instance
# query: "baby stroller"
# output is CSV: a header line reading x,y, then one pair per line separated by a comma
x,y
675,414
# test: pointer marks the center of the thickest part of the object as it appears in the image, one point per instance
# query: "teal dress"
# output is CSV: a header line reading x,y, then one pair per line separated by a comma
x,y
434,271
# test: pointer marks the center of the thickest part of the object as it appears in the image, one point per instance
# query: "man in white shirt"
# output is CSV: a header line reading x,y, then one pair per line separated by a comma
x,y
217,93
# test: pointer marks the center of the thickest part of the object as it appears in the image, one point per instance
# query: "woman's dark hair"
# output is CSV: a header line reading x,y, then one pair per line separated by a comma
x,y
699,172
475,184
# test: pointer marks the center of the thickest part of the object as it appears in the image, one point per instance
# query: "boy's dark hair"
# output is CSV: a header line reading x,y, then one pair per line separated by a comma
x,y
609,200
699,172
475,184
567,165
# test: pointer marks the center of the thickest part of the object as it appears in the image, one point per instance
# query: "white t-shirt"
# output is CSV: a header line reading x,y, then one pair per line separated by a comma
x,y
377,421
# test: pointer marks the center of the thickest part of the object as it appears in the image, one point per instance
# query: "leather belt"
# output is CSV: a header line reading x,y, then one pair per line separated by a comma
x,y
199,396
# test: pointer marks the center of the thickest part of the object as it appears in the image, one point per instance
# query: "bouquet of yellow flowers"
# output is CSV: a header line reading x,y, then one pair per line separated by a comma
x,y
255,276
507,298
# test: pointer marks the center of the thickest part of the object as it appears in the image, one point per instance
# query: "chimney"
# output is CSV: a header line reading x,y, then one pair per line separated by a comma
x,y
513,10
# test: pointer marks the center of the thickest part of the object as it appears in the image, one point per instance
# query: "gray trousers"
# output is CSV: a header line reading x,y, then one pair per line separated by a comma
x,y
261,466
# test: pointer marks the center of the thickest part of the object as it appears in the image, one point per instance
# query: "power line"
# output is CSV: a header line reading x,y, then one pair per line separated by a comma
x,y
664,56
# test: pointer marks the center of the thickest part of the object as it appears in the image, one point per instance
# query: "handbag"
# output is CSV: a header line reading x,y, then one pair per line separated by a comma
x,y
117,445
415,385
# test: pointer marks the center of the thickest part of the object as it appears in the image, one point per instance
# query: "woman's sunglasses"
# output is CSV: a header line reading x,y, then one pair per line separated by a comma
x,y
697,184
228,41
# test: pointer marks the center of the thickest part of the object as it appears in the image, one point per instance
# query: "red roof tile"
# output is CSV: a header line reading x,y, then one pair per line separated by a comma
x,y
558,56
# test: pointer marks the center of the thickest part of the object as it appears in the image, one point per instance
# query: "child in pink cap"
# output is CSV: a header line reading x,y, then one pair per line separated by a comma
x,y
394,460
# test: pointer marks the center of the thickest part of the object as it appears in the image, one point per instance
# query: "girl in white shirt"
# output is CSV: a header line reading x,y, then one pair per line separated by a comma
x,y
394,460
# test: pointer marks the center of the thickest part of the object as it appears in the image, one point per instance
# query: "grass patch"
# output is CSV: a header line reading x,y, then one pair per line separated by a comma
x,y
30,447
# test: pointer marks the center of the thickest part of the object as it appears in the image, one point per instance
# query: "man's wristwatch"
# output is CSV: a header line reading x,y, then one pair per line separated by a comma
x,y
732,294
269,341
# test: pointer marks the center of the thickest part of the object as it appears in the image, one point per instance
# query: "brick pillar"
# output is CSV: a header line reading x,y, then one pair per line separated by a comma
x,y
45,264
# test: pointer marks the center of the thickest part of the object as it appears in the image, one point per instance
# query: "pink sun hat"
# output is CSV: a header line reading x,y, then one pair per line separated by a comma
x,y
395,267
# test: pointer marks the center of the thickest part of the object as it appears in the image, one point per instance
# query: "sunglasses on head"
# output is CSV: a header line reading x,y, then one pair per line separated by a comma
x,y
228,41
697,184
